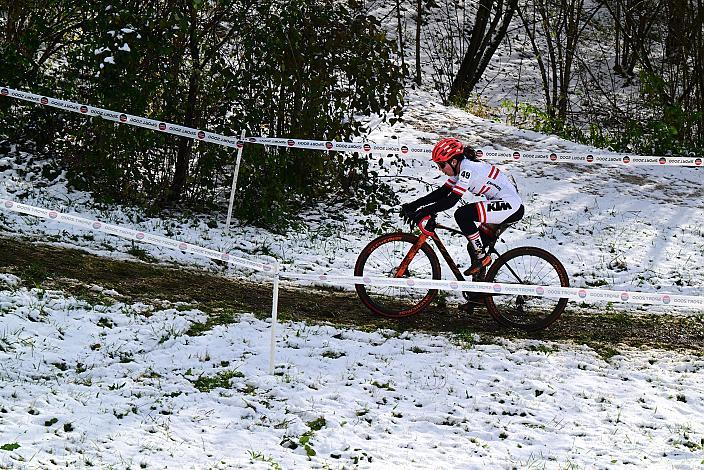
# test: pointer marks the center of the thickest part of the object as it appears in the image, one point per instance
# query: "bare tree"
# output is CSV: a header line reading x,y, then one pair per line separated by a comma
x,y
664,39
399,26
555,28
491,22
419,24
633,22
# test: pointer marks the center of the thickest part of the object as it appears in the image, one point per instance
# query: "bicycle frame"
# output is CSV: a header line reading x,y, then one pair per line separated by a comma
x,y
441,247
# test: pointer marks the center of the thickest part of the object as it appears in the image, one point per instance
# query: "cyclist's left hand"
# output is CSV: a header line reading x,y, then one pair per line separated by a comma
x,y
421,214
418,216
427,225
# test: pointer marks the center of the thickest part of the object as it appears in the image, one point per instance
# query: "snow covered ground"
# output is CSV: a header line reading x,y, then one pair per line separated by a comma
x,y
122,385
118,385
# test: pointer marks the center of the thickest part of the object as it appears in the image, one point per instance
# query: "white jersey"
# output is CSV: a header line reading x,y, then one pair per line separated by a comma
x,y
482,179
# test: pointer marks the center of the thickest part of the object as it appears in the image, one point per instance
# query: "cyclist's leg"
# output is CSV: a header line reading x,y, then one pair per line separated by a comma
x,y
468,218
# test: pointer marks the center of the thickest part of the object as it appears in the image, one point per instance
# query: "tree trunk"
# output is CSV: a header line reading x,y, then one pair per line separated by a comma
x,y
698,37
400,35
185,145
617,38
494,41
487,33
460,90
419,24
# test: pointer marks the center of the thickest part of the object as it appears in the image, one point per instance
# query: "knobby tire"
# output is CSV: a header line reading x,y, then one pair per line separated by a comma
x,y
529,317
379,259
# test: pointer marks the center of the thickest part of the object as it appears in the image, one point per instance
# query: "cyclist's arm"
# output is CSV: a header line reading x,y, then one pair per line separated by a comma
x,y
434,196
441,205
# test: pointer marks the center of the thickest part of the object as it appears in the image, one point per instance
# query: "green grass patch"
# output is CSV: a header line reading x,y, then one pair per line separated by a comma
x,y
385,386
34,274
606,351
224,317
466,339
104,322
330,354
206,383
619,318
253,455
142,254
542,348
89,296
317,424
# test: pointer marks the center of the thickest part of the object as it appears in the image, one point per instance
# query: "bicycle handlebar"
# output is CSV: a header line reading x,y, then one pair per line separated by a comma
x,y
430,225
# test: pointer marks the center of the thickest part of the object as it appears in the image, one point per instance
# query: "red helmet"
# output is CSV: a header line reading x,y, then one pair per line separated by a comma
x,y
446,149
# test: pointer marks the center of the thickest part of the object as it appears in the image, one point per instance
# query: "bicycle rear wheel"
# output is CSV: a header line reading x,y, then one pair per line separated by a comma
x,y
381,258
530,266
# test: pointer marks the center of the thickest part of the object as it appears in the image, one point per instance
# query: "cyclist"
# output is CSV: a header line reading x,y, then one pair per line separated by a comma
x,y
467,173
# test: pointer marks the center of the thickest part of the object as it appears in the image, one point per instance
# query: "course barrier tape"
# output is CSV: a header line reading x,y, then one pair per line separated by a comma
x,y
573,293
422,150
485,153
135,235
124,118
554,292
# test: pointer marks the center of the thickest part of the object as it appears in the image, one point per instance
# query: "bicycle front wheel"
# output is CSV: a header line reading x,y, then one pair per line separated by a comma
x,y
530,266
382,258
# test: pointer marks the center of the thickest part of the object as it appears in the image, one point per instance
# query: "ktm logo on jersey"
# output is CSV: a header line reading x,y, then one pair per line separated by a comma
x,y
498,206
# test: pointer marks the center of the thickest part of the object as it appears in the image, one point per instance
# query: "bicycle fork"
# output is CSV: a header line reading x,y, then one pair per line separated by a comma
x,y
403,267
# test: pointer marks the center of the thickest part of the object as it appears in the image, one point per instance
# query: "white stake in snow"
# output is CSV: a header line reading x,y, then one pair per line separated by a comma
x,y
234,183
274,316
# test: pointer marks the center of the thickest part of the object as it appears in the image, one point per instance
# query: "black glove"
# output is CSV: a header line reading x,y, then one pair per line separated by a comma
x,y
422,214
419,215
407,211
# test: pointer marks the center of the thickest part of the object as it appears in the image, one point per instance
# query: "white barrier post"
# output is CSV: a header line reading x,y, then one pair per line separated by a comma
x,y
234,183
274,316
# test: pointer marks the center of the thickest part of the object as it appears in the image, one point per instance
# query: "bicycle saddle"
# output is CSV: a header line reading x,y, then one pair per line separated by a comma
x,y
494,230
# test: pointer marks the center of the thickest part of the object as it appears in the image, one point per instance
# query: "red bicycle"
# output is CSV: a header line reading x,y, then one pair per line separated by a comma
x,y
401,254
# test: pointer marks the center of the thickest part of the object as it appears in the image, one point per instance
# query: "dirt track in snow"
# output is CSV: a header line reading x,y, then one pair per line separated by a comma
x,y
74,271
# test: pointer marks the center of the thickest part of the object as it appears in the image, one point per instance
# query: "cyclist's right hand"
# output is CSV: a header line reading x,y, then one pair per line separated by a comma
x,y
427,224
407,212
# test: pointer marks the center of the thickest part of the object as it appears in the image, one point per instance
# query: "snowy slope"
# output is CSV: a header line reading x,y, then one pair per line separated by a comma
x,y
635,228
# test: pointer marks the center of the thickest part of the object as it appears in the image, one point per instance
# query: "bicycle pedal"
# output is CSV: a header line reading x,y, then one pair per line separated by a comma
x,y
475,268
